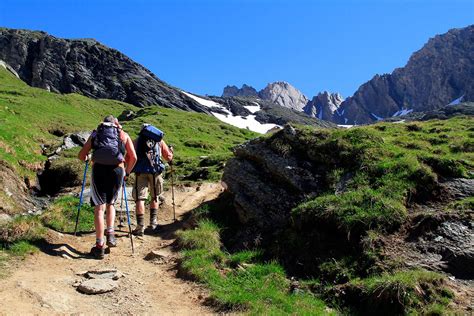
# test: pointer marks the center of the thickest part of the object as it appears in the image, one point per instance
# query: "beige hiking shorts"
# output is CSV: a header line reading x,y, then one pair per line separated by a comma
x,y
146,183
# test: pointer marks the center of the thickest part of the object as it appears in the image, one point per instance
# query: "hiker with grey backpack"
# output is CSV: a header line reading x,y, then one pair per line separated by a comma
x,y
113,158
152,152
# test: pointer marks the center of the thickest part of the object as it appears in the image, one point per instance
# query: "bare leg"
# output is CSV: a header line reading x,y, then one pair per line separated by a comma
x,y
140,207
154,204
99,221
110,215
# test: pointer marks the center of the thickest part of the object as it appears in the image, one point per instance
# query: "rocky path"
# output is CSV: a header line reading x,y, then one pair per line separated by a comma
x,y
44,282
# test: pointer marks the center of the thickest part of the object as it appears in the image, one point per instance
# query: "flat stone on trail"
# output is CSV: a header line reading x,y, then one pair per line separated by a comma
x,y
111,274
97,286
156,255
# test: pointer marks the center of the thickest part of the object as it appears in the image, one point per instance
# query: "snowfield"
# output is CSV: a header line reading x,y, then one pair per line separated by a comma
x,y
248,122
402,112
253,108
202,101
245,122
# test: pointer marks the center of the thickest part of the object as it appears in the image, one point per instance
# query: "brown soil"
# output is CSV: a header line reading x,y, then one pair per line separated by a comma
x,y
43,283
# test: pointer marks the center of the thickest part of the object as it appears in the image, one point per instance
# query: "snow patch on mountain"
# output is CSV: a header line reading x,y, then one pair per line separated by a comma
x,y
402,112
248,121
457,101
202,101
378,118
253,108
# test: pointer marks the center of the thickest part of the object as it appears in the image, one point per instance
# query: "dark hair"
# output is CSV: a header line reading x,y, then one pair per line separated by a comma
x,y
109,119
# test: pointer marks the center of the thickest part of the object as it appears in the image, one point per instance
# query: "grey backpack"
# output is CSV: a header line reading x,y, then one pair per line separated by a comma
x,y
107,145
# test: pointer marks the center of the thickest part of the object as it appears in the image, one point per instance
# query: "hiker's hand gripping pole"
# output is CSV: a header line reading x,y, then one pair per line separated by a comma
x,y
80,197
128,213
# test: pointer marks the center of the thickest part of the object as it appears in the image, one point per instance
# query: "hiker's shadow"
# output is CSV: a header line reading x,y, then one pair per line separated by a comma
x,y
168,231
61,250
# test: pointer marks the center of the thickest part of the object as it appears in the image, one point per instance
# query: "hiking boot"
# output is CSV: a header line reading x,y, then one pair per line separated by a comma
x,y
139,230
111,240
152,229
157,229
97,252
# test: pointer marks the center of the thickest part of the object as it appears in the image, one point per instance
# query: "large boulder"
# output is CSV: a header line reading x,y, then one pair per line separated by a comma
x,y
267,178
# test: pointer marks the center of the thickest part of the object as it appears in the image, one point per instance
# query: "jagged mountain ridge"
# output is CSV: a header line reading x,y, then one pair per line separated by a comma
x,y
87,67
279,92
324,105
440,72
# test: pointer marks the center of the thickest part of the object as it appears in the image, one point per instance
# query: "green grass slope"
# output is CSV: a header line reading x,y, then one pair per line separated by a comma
x,y
29,116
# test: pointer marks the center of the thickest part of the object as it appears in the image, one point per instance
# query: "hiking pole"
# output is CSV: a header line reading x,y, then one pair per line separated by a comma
x,y
80,197
128,214
121,211
172,191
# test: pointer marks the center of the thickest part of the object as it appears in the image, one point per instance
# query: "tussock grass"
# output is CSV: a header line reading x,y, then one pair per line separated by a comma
x,y
61,215
405,292
239,282
17,238
22,228
390,165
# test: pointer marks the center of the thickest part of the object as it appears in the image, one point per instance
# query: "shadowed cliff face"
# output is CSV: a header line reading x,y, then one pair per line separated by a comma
x,y
87,67
437,74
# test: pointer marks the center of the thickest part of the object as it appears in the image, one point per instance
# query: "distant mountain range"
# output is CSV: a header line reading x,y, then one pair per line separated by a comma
x,y
440,73
90,68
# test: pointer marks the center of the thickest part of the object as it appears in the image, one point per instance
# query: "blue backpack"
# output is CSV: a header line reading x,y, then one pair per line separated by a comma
x,y
149,151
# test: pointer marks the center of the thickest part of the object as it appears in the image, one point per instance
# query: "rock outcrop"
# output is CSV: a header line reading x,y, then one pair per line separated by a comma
x,y
87,67
324,105
436,75
267,178
278,184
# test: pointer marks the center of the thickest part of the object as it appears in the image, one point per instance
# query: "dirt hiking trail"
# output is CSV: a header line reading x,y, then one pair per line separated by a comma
x,y
44,282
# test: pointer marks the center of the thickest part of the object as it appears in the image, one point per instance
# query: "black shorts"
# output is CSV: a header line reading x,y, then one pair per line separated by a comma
x,y
106,183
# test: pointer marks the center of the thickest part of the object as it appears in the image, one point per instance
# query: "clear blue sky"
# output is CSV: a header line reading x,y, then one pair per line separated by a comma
x,y
203,45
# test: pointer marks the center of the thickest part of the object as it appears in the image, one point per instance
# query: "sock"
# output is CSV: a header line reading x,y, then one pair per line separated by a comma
x,y
153,216
99,243
140,219
109,230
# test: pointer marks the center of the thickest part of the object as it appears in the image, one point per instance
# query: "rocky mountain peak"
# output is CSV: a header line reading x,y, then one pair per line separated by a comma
x,y
284,94
87,67
323,105
436,75
245,91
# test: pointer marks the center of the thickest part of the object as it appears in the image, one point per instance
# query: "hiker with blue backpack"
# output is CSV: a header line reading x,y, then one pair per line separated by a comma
x,y
152,152
113,158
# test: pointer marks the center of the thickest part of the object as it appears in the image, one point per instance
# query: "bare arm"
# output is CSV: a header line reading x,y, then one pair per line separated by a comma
x,y
85,149
166,153
131,156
